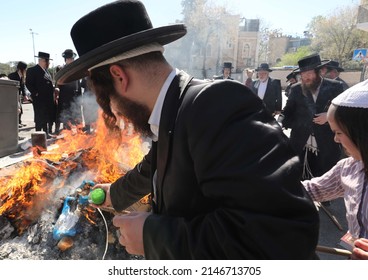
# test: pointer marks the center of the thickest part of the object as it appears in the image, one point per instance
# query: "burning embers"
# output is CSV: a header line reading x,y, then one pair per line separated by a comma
x,y
32,195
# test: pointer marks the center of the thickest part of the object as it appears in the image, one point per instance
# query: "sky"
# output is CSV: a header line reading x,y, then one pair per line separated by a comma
x,y
44,25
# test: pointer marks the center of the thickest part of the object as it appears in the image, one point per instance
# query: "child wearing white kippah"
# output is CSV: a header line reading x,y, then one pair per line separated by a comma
x,y
348,119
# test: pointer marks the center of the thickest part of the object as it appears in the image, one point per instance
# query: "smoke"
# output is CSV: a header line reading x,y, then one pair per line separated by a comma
x,y
89,107
83,110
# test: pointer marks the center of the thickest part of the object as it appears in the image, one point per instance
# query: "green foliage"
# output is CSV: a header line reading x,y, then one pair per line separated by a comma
x,y
336,36
5,68
292,58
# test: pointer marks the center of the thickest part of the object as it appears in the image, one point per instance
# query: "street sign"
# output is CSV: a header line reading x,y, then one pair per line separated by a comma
x,y
359,54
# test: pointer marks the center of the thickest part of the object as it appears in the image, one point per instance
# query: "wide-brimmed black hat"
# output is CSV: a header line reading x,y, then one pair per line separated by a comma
x,y
43,55
112,30
264,67
228,65
310,62
332,64
22,65
68,53
292,75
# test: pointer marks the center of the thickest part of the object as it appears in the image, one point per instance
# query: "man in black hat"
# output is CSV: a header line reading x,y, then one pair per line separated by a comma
x,y
332,71
291,79
19,75
268,89
39,83
305,113
68,99
220,170
226,72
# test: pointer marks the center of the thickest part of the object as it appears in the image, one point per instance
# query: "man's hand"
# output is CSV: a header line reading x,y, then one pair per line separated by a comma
x,y
360,251
131,231
320,118
107,203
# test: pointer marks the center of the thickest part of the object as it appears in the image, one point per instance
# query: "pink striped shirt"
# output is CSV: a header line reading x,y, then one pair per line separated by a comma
x,y
345,179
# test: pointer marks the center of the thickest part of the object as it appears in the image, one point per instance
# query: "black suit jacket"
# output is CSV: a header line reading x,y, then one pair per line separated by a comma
x,y
298,115
345,86
227,180
273,95
15,77
42,93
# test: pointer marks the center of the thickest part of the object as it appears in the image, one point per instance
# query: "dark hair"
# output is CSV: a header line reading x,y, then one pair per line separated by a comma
x,y
102,85
354,123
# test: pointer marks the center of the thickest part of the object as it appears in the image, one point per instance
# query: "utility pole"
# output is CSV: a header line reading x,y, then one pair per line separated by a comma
x,y
34,53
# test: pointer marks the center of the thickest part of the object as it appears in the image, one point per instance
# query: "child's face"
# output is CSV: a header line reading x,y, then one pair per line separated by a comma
x,y
341,137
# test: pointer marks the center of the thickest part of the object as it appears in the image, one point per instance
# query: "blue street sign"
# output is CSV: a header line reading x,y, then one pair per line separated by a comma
x,y
359,54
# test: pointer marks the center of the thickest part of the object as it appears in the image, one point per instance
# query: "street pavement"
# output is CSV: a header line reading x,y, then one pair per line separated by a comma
x,y
329,233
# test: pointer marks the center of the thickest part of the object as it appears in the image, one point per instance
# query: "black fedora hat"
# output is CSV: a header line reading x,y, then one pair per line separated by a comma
x,y
311,62
292,75
68,53
332,64
264,67
22,65
43,55
228,65
112,30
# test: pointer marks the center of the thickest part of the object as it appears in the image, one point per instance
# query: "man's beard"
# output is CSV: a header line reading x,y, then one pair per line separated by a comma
x,y
313,86
135,112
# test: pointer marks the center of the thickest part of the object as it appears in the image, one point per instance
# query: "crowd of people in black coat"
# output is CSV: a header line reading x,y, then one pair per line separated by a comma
x,y
56,107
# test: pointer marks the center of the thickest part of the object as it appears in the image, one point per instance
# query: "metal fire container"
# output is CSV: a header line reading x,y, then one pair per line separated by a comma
x,y
8,116
39,142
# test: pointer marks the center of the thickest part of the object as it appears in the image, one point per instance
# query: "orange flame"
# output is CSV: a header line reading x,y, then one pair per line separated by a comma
x,y
107,157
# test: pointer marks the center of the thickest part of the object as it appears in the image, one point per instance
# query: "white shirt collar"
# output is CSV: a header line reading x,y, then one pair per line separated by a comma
x,y
155,117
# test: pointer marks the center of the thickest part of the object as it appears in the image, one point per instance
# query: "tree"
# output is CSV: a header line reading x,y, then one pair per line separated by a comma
x,y
293,58
5,68
336,37
209,26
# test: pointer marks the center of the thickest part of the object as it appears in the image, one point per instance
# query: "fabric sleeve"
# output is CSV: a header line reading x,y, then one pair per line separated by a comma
x,y
134,185
278,105
287,115
326,187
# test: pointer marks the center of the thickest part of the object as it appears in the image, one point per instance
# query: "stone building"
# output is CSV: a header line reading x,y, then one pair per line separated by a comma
x,y
233,39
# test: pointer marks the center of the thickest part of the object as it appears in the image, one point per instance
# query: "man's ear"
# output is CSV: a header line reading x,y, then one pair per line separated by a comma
x,y
120,77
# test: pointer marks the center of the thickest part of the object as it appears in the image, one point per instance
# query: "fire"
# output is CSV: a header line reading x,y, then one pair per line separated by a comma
x,y
23,194
20,193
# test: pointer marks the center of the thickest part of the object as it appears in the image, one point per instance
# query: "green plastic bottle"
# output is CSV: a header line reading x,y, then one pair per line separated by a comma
x,y
97,196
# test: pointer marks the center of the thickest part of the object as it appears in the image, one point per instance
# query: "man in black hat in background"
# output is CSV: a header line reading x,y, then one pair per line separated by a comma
x,y
332,71
305,113
19,75
68,99
226,72
217,193
39,83
268,89
291,78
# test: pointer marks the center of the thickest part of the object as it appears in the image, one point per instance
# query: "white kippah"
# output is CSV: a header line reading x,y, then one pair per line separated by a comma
x,y
132,53
354,97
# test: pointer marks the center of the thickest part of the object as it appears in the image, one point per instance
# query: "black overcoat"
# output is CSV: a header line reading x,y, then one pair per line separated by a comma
x,y
42,93
227,180
273,94
68,109
298,115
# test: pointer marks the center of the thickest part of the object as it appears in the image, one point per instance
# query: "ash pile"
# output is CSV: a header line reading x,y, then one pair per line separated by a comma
x,y
89,235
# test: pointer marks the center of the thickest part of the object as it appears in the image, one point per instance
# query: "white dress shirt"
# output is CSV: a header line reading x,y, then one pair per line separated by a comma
x,y
154,120
262,89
